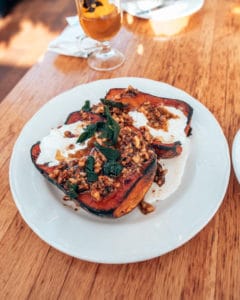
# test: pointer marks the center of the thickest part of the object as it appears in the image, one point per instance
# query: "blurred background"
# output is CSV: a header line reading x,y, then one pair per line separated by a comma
x,y
26,28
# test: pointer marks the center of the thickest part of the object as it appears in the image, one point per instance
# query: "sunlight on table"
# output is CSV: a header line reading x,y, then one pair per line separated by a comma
x,y
236,10
21,42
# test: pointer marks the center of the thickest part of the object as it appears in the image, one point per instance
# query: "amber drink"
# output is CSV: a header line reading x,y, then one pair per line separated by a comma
x,y
101,28
101,20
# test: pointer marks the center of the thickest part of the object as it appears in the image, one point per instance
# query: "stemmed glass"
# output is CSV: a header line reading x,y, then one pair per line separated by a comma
x,y
101,20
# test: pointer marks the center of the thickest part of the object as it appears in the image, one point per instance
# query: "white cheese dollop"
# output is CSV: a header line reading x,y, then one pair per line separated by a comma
x,y
57,142
175,169
175,126
174,166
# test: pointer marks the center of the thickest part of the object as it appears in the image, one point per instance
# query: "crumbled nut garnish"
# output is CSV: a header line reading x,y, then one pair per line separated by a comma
x,y
82,161
99,160
145,207
128,92
86,117
71,146
131,91
134,149
66,198
157,115
98,108
68,134
103,187
54,174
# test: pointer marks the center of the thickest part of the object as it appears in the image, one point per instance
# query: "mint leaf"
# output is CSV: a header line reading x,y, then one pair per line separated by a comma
x,y
89,169
112,128
111,103
112,168
72,190
86,107
109,153
89,131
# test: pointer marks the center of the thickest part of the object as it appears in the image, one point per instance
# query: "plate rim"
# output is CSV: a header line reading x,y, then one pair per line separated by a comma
x,y
236,155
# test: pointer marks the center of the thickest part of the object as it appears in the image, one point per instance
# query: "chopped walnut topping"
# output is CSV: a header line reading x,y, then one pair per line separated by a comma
x,y
86,117
66,198
82,161
103,187
134,150
146,134
98,108
68,134
71,146
130,91
157,115
99,160
145,207
54,174
71,173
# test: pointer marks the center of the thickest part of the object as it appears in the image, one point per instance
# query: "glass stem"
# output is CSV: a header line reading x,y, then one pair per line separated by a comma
x,y
106,47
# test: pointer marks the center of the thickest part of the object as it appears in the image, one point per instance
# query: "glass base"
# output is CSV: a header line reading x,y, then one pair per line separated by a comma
x,y
105,59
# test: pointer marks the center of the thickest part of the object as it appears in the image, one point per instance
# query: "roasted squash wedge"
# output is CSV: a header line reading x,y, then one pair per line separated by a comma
x,y
135,99
124,199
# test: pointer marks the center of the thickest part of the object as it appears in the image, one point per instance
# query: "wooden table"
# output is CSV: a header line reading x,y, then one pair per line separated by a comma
x,y
203,59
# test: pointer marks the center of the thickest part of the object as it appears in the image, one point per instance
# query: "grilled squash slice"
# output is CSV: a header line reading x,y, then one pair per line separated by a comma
x,y
135,99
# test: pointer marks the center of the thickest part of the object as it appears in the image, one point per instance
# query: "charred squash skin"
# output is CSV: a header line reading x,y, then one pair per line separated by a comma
x,y
136,98
118,203
167,150
76,116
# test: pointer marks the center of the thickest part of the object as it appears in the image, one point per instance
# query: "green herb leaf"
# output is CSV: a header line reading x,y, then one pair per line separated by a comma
x,y
89,166
109,153
86,106
89,169
111,128
89,131
72,190
92,177
112,168
112,103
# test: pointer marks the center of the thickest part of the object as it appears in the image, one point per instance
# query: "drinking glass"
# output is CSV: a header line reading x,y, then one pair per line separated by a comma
x,y
101,20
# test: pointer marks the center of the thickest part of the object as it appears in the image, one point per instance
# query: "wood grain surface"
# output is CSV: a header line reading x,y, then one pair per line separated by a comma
x,y
202,59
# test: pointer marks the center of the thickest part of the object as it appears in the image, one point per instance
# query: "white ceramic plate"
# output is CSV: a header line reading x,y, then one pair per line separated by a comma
x,y
236,155
134,237
170,11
